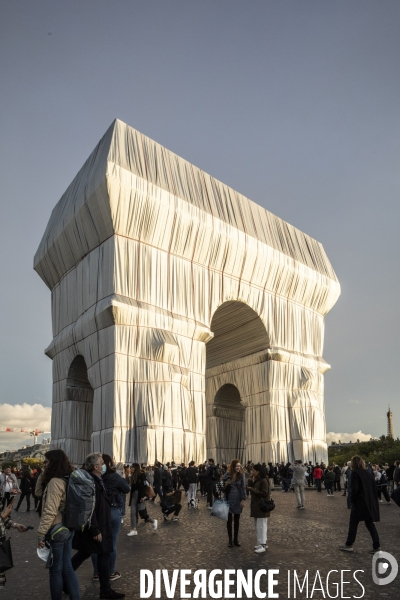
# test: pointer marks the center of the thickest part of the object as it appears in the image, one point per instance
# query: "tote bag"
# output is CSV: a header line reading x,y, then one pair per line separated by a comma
x,y
220,510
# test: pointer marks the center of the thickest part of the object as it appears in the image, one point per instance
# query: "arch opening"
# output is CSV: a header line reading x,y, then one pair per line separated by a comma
x,y
238,332
229,416
79,399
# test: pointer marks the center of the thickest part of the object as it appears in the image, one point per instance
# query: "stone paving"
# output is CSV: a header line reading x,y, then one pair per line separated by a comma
x,y
297,540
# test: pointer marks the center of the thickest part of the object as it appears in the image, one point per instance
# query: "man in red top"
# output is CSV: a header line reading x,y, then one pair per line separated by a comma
x,y
318,473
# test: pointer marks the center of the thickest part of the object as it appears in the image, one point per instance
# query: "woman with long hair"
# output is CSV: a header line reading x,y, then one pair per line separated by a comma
x,y
137,499
52,486
364,504
116,488
259,488
235,493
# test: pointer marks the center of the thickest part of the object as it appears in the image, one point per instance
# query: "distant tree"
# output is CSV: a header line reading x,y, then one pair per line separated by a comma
x,y
381,450
32,463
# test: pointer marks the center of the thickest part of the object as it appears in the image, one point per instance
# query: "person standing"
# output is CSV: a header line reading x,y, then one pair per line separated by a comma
x,y
396,474
329,481
26,489
235,494
310,471
8,487
52,487
317,475
338,472
259,488
191,477
35,478
382,484
158,473
137,499
299,480
97,538
212,476
364,505
116,488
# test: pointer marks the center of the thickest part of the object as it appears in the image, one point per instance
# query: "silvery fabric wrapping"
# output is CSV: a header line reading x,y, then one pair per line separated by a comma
x,y
187,320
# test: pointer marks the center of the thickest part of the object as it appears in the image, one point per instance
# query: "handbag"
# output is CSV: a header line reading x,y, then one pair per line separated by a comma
x,y
6,561
267,505
149,492
220,510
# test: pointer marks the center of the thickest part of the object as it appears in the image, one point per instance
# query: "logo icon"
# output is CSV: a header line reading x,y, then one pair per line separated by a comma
x,y
381,573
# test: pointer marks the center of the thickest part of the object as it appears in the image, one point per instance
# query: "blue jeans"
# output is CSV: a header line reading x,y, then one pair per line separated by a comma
x,y
116,516
61,570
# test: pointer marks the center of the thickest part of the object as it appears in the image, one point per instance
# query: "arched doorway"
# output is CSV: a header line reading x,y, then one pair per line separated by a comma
x,y
79,397
230,424
238,333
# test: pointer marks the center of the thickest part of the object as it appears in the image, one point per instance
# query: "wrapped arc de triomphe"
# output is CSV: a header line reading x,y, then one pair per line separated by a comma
x,y
188,321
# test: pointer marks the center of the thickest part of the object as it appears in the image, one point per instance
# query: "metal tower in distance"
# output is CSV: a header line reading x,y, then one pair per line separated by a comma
x,y
390,424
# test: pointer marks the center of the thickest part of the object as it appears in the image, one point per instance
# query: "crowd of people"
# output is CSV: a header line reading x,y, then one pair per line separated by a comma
x,y
118,487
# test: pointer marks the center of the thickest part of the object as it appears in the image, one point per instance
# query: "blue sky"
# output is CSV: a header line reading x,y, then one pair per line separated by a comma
x,y
294,104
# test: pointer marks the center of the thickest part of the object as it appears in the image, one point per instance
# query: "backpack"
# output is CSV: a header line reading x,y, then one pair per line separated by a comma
x,y
216,474
81,499
383,480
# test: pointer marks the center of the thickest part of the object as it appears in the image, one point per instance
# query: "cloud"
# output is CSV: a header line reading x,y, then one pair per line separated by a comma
x,y
347,437
23,416
355,401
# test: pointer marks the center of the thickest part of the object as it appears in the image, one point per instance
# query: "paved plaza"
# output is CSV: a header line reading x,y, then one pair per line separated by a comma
x,y
301,540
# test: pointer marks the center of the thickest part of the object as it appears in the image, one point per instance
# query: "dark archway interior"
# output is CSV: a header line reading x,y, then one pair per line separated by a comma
x,y
238,331
79,394
229,423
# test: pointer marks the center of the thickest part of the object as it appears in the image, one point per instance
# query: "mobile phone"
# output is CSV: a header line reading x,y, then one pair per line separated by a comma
x,y
29,527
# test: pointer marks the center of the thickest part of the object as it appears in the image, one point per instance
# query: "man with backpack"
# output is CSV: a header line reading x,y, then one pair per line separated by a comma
x,y
97,537
212,477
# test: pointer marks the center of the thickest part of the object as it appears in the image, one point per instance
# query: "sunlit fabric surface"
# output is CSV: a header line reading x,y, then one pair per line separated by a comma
x,y
168,285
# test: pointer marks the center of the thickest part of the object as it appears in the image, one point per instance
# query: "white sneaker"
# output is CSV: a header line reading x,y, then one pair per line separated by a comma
x,y
209,507
155,524
260,545
260,549
132,532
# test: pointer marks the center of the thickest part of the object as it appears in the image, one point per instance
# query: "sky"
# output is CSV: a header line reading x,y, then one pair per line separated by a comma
x,y
294,104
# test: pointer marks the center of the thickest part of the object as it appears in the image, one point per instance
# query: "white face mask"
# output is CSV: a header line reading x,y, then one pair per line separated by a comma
x,y
103,469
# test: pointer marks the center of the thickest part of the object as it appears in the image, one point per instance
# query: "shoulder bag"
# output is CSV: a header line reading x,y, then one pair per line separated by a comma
x,y
6,561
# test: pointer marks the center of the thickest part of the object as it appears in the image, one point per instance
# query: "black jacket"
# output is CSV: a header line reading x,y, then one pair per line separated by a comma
x,y
167,479
26,484
212,474
116,487
364,495
100,523
158,473
139,486
191,474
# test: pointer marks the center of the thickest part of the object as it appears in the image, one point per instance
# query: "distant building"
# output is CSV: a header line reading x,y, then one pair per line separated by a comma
x,y
35,451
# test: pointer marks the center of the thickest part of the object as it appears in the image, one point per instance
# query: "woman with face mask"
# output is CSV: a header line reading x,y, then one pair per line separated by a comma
x,y
116,488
